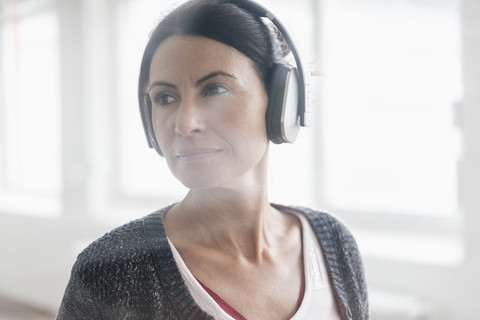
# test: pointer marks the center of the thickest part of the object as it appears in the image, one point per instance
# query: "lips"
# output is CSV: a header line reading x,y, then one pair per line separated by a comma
x,y
194,154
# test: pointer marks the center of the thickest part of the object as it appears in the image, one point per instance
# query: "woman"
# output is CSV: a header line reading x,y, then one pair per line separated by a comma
x,y
223,252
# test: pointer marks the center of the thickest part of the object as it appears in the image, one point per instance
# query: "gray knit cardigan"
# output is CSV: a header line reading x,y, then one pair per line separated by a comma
x,y
130,273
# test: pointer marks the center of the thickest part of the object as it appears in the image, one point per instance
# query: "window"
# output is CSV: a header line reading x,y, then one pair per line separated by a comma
x,y
30,140
392,75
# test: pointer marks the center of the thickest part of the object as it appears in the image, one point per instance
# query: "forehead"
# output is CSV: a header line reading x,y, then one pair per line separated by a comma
x,y
195,56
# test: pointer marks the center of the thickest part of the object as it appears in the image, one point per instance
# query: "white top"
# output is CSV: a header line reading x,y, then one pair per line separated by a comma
x,y
318,301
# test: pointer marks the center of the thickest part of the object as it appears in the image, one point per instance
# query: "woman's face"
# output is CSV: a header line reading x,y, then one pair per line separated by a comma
x,y
208,111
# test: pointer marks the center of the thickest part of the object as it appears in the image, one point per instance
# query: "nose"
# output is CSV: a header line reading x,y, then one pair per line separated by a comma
x,y
189,119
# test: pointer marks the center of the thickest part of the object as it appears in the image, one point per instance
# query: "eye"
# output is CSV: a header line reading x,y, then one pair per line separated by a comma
x,y
214,89
163,99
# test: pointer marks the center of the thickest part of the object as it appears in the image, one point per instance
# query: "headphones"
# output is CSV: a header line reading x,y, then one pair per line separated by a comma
x,y
287,102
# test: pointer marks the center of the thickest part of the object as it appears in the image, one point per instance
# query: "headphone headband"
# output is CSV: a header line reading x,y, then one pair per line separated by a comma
x,y
261,11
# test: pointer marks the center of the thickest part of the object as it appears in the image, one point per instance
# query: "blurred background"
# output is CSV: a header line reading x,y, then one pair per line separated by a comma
x,y
393,150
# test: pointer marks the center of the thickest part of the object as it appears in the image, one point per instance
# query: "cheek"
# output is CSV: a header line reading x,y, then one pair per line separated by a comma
x,y
161,128
246,132
247,116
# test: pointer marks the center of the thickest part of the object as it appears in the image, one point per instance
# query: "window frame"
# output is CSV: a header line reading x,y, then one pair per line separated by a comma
x,y
18,201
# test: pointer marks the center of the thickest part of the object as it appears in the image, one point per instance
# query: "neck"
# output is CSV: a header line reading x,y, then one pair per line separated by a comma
x,y
236,218
230,219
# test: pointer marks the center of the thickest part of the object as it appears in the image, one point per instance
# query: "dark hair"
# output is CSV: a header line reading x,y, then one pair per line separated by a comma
x,y
219,20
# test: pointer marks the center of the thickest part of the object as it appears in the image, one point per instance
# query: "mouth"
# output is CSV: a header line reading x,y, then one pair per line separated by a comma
x,y
195,154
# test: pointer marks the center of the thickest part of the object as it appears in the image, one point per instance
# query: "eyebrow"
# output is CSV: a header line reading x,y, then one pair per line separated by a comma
x,y
199,81
213,75
160,84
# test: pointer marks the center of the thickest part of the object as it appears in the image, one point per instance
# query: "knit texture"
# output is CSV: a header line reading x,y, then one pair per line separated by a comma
x,y
130,273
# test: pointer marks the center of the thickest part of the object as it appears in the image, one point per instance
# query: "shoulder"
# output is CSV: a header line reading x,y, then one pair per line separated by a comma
x,y
324,224
334,236
123,248
128,273
342,258
115,243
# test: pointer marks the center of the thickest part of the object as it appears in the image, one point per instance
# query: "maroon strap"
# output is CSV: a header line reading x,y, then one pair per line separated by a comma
x,y
222,303
231,310
302,291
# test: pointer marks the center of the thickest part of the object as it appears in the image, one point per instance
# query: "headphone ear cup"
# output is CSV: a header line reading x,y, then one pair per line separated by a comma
x,y
282,119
